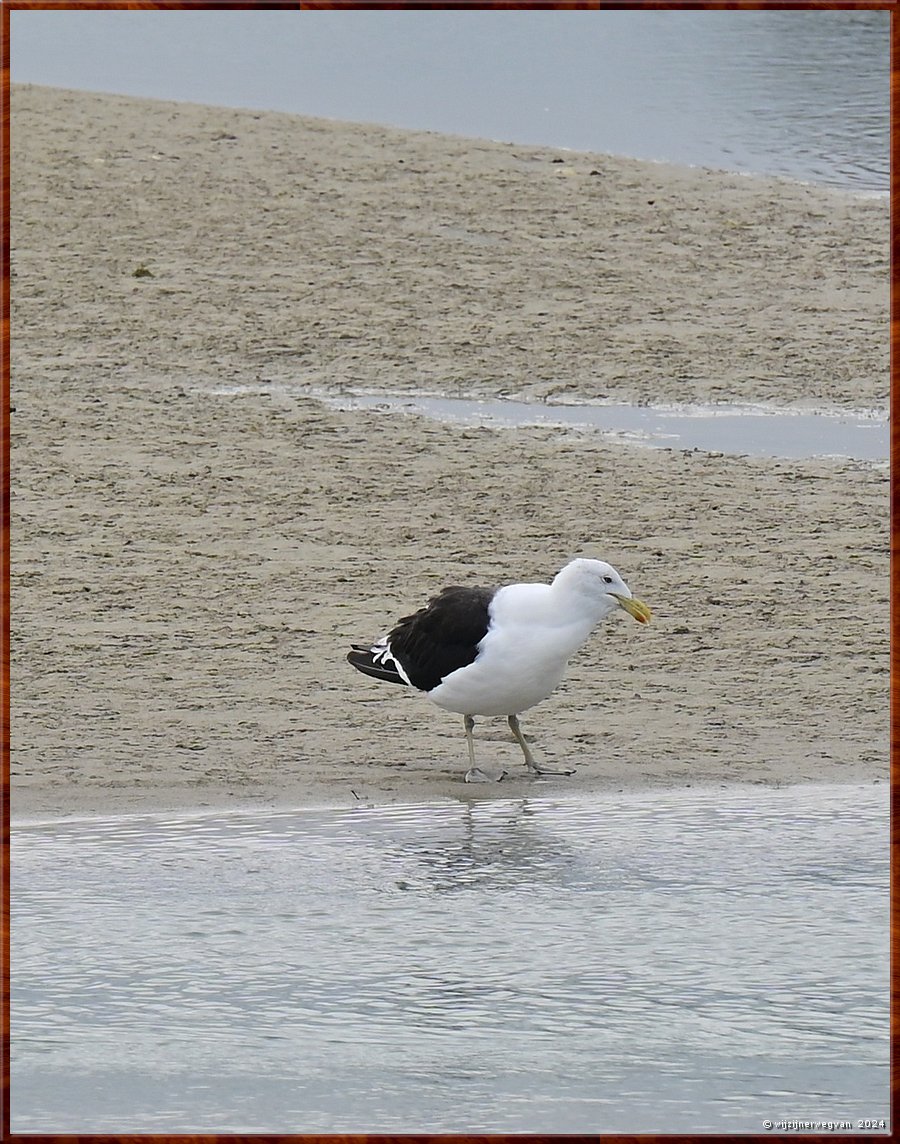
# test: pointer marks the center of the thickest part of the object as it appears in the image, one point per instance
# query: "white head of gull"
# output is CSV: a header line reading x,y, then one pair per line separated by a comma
x,y
499,651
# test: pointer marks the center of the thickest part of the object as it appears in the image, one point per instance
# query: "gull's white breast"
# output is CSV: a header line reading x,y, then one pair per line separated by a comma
x,y
522,657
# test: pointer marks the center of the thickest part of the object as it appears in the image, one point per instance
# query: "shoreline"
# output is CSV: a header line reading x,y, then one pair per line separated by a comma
x,y
188,572
205,810
375,125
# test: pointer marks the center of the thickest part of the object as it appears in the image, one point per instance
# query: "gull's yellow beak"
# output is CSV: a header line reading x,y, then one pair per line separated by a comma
x,y
634,607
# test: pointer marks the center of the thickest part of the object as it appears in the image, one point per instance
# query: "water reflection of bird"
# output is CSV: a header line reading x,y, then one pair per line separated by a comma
x,y
486,651
503,844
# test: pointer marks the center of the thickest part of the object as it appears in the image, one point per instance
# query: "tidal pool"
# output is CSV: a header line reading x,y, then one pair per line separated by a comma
x,y
754,430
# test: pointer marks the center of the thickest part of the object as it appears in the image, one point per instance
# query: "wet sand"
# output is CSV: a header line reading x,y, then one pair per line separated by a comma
x,y
188,570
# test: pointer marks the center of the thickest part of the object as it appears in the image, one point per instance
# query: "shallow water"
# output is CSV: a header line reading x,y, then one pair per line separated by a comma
x,y
756,431
696,960
727,429
802,94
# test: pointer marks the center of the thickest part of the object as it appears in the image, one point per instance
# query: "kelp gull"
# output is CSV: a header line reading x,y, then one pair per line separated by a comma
x,y
486,651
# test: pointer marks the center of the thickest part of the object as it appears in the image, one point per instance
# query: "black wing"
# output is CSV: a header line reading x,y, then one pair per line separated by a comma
x,y
372,661
443,636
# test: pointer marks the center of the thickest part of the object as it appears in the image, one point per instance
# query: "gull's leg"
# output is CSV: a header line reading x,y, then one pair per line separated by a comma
x,y
470,738
476,774
526,751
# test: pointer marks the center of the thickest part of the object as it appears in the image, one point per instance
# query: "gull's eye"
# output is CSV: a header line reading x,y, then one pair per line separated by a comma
x,y
607,579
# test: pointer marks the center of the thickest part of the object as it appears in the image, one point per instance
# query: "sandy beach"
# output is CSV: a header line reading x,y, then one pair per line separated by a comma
x,y
189,569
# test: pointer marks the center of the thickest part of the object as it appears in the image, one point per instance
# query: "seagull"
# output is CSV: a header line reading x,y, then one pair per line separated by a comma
x,y
498,651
